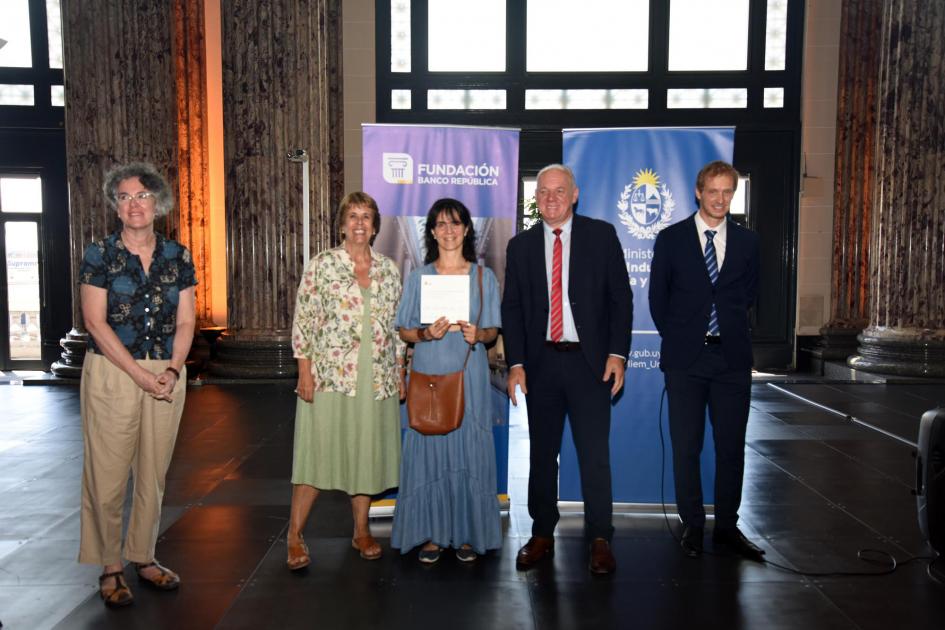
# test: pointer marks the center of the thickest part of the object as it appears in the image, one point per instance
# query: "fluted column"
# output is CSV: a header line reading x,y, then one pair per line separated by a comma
x,y
906,332
853,176
120,107
281,91
190,68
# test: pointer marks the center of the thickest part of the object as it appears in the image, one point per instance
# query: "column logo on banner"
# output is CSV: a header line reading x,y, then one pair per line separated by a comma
x,y
398,168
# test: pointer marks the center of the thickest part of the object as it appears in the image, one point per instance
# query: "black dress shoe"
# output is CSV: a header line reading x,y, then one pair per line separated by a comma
x,y
534,551
602,559
691,542
735,540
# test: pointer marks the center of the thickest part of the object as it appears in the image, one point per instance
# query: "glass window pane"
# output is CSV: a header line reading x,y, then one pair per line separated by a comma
x,y
400,35
586,99
23,289
530,206
739,205
400,99
54,31
708,35
16,94
466,36
57,95
587,36
21,194
774,97
465,99
711,98
15,51
775,34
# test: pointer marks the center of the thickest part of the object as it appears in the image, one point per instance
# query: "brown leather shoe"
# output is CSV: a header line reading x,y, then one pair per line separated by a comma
x,y
534,551
602,558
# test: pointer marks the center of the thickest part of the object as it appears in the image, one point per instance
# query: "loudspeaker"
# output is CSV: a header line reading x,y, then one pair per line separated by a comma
x,y
930,478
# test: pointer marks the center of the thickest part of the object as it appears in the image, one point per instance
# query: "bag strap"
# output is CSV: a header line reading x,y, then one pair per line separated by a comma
x,y
478,315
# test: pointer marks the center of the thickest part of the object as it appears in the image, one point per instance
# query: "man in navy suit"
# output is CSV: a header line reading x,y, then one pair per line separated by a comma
x,y
702,285
566,316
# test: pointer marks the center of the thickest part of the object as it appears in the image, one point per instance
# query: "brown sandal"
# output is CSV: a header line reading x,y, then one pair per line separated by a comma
x,y
121,596
166,581
367,547
298,555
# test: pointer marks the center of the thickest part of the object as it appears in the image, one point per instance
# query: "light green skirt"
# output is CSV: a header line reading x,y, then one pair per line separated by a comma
x,y
349,443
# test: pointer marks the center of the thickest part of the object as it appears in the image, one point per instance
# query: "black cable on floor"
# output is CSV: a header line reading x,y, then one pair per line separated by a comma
x,y
866,555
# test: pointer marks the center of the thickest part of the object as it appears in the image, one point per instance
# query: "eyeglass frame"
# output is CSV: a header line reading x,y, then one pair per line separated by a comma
x,y
141,197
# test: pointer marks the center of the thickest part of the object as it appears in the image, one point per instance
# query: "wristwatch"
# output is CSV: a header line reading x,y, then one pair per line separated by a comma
x,y
422,333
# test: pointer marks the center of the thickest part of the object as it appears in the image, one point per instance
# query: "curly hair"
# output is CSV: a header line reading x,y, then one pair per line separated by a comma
x,y
149,178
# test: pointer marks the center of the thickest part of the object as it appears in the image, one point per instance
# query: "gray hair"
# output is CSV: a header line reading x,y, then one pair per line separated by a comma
x,y
558,167
149,178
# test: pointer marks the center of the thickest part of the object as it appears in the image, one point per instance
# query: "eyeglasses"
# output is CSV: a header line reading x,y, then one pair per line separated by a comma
x,y
141,197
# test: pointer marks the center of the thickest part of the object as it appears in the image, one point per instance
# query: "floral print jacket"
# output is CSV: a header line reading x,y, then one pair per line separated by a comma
x,y
326,328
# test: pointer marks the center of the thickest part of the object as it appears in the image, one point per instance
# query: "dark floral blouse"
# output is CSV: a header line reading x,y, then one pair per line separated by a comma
x,y
142,308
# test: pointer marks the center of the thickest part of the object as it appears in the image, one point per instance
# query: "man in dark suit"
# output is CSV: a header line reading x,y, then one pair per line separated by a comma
x,y
566,317
702,285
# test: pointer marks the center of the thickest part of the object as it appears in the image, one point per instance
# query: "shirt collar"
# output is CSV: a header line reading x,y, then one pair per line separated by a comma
x,y
702,226
565,227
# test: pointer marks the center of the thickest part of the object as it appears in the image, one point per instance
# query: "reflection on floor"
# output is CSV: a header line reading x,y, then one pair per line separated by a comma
x,y
818,488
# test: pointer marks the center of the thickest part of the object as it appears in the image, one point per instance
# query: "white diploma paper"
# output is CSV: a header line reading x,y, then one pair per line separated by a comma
x,y
444,296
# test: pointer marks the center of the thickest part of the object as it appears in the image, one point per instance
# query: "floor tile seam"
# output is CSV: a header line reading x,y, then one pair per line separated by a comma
x,y
842,509
862,463
249,578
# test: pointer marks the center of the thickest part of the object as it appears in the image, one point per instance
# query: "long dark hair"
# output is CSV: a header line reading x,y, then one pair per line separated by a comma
x,y
451,208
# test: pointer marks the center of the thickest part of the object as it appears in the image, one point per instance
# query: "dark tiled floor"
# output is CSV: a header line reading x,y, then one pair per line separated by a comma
x,y
818,488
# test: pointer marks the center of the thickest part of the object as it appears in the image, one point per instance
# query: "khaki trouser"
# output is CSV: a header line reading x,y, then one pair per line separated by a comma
x,y
124,429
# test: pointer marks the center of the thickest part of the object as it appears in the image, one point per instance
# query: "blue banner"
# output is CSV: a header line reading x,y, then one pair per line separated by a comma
x,y
640,180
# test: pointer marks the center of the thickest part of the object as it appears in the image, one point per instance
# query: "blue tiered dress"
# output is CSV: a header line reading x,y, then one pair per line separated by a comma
x,y
447,489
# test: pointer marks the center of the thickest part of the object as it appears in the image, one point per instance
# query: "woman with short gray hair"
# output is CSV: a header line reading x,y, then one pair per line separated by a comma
x,y
137,292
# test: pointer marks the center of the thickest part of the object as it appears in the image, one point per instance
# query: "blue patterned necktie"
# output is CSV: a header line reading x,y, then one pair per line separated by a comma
x,y
712,265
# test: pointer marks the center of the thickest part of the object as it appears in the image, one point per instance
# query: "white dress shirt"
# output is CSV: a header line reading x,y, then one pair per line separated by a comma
x,y
570,331
718,240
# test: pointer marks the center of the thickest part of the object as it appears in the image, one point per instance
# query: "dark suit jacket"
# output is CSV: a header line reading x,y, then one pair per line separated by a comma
x,y
681,294
598,291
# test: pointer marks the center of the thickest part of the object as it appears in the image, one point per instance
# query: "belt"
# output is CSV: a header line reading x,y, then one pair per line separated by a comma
x,y
564,346
713,340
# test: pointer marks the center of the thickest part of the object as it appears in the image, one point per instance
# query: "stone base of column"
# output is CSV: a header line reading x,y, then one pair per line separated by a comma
x,y
250,354
836,342
73,345
900,352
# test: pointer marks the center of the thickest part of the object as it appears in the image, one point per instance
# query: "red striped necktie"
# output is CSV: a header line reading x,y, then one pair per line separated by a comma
x,y
557,315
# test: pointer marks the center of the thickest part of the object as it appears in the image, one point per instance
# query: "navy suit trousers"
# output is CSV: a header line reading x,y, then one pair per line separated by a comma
x,y
708,383
565,384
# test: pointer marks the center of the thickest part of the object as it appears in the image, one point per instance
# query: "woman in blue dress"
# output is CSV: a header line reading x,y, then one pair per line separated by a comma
x,y
447,495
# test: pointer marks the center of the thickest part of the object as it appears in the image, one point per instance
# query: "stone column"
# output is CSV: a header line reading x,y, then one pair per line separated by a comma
x,y
120,107
190,72
281,91
906,332
853,177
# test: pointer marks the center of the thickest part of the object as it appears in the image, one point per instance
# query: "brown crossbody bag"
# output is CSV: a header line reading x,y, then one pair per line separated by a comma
x,y
435,402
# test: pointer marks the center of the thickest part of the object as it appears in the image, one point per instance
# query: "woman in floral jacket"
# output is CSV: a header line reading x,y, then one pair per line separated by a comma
x,y
347,420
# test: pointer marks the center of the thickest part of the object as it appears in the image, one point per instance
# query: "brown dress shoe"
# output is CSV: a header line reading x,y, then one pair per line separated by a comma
x,y
534,551
602,558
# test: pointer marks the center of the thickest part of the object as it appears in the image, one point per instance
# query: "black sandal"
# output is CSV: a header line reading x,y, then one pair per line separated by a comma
x,y
166,581
121,596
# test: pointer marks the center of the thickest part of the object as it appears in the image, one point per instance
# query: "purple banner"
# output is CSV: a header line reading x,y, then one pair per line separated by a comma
x,y
408,167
